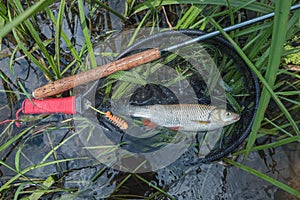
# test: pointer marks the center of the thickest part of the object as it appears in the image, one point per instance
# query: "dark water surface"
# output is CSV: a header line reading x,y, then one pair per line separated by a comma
x,y
180,179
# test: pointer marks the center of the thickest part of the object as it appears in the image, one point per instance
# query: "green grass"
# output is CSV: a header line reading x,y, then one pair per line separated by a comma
x,y
265,177
278,39
261,52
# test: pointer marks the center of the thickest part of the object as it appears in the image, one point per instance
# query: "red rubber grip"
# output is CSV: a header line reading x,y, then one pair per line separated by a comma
x,y
66,105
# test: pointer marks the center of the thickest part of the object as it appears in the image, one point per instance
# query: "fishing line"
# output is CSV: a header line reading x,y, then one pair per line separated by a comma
x,y
16,120
116,120
64,105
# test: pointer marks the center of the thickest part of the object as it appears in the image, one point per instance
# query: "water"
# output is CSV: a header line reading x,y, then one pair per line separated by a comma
x,y
90,179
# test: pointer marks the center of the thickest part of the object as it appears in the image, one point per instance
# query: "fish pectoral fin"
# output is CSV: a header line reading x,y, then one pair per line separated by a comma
x,y
148,123
202,122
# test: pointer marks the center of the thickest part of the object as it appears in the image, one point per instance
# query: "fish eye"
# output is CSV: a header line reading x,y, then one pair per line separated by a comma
x,y
228,113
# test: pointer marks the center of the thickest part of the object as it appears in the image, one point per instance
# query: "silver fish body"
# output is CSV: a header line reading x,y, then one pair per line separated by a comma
x,y
185,117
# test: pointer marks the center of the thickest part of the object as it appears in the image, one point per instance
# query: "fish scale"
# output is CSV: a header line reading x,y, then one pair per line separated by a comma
x,y
187,117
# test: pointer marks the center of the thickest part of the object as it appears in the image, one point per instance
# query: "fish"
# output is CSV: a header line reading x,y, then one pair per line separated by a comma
x,y
183,117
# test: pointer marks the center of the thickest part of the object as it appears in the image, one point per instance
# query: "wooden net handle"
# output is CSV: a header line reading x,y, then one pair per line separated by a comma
x,y
70,82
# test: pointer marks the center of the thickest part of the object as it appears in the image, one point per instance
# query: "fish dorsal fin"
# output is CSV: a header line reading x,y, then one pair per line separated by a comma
x,y
202,122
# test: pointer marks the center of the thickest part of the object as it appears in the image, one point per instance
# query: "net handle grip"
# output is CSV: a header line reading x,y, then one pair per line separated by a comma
x,y
66,105
70,82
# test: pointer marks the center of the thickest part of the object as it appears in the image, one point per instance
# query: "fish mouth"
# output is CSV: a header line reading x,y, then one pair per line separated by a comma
x,y
236,118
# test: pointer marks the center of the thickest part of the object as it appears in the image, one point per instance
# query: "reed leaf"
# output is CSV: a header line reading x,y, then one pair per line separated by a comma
x,y
154,186
18,191
37,194
267,87
38,41
58,34
64,36
265,177
288,93
189,17
38,6
17,159
278,127
138,28
278,39
109,9
57,147
13,139
254,6
30,168
43,68
290,100
24,90
86,35
7,166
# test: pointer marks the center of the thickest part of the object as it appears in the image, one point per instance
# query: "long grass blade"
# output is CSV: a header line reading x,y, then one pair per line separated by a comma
x,y
154,186
278,127
29,25
265,177
39,193
26,170
17,159
18,191
138,28
278,39
271,145
266,85
58,34
189,17
13,139
38,6
86,35
254,6
29,54
103,5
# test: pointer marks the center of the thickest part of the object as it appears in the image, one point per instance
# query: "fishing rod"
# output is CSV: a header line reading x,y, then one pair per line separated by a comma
x,y
129,62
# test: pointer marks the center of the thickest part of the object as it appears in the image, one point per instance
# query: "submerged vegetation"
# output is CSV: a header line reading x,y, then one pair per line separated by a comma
x,y
44,40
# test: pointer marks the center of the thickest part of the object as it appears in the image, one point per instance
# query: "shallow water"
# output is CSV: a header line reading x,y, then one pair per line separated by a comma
x,y
181,179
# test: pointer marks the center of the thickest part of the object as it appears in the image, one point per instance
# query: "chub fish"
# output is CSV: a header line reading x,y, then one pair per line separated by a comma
x,y
185,117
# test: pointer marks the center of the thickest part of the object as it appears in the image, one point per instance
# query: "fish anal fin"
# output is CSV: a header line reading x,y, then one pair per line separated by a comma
x,y
175,128
201,122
